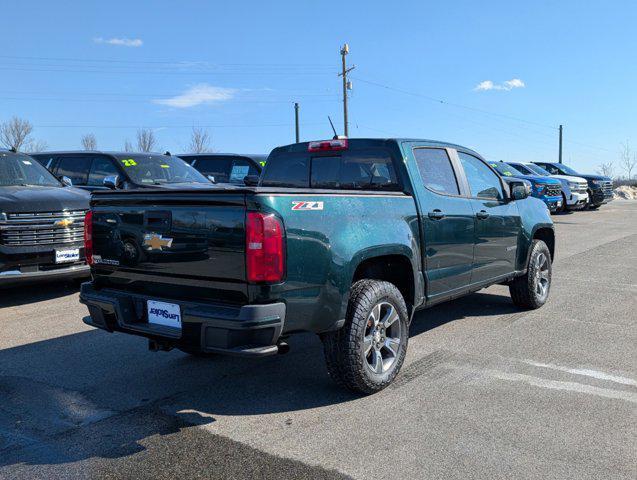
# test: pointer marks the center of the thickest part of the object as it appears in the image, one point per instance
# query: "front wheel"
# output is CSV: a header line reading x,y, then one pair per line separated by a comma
x,y
531,290
366,354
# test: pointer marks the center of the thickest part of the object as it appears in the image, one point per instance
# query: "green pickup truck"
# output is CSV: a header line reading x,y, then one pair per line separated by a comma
x,y
343,238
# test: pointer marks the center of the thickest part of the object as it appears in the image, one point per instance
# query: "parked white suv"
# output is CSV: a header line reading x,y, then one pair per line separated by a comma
x,y
574,189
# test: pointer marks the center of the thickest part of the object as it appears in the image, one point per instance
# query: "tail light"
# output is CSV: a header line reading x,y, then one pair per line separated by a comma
x,y
328,145
265,250
88,237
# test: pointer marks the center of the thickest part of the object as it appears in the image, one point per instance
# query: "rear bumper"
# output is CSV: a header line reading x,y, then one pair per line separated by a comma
x,y
250,330
16,277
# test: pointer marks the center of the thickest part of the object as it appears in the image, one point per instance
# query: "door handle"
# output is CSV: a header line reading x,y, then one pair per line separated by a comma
x,y
482,214
436,214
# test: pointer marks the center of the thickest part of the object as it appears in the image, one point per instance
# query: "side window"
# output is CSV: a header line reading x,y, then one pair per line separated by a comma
x,y
76,168
484,183
286,170
436,170
552,170
101,168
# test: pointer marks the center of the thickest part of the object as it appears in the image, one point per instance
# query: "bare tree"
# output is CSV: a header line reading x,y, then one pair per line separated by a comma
x,y
146,140
89,142
128,146
606,169
33,145
628,160
200,141
15,133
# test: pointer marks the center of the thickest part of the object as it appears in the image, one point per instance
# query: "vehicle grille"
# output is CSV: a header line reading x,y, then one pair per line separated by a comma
x,y
553,190
581,188
607,188
48,228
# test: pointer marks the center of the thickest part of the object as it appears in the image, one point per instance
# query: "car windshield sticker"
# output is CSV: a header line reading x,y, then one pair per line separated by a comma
x,y
239,172
165,166
129,162
26,162
298,205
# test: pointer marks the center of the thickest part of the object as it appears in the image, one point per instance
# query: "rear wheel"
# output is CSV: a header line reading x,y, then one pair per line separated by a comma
x,y
531,290
366,354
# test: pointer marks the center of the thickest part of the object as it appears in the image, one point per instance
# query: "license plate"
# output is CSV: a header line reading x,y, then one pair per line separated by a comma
x,y
66,256
162,313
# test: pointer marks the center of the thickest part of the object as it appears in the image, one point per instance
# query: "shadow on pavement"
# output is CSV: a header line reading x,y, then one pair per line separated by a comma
x,y
97,395
32,293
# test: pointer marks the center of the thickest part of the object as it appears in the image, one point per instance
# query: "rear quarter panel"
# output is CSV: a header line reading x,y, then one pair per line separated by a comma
x,y
324,248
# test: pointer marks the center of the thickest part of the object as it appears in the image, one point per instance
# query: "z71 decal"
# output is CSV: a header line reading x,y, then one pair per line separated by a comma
x,y
307,205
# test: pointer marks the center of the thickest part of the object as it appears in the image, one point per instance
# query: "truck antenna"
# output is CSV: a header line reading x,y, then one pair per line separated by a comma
x,y
333,129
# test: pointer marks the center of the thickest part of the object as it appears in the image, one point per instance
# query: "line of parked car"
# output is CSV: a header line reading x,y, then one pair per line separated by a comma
x,y
42,209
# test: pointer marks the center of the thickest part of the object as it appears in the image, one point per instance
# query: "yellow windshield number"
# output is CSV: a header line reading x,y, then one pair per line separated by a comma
x,y
165,166
129,162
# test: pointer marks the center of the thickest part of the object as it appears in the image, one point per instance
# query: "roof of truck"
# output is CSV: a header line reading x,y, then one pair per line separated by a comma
x,y
379,141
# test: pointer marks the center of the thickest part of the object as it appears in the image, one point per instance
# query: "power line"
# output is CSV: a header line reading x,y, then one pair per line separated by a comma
x,y
164,62
486,112
176,126
458,105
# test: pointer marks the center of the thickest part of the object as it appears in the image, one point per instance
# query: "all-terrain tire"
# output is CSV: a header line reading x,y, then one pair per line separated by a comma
x,y
528,291
346,360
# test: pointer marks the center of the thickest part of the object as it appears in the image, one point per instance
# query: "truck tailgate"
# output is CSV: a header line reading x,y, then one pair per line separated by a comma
x,y
172,244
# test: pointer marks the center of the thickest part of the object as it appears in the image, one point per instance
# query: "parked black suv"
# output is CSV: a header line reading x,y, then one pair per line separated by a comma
x,y
226,167
41,223
92,170
600,188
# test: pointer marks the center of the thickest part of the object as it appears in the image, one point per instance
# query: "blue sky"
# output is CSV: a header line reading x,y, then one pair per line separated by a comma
x,y
107,68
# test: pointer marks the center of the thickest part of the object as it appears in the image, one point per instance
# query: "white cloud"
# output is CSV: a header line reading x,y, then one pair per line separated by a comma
x,y
120,42
198,94
507,85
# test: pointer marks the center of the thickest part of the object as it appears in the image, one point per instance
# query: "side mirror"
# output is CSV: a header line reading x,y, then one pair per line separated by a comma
x,y
112,181
211,178
66,181
251,180
519,190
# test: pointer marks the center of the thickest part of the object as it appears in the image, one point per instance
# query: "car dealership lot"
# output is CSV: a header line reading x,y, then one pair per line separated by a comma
x,y
486,391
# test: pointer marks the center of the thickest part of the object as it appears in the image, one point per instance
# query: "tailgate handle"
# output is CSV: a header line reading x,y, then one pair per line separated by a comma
x,y
158,220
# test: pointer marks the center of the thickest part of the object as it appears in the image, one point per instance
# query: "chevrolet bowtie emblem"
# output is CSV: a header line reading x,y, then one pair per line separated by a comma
x,y
65,222
155,241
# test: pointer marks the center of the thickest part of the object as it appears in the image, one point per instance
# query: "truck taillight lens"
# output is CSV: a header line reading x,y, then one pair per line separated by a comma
x,y
88,237
265,250
328,145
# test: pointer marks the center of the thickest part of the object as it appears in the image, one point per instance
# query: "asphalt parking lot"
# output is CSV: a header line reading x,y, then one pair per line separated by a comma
x,y
487,391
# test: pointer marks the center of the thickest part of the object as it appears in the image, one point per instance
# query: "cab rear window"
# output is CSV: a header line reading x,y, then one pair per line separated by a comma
x,y
371,169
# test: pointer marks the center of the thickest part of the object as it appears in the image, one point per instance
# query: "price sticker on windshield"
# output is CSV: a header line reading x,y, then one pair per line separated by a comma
x,y
129,162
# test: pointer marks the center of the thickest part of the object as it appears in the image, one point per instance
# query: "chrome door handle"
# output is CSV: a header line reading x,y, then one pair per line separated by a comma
x,y
482,214
436,214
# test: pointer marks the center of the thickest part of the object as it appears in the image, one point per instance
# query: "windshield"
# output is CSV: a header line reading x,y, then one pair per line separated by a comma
x,y
20,170
152,169
505,169
525,169
568,170
537,170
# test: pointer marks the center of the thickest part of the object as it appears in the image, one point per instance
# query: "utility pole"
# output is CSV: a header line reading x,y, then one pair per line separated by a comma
x,y
296,120
346,86
560,156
